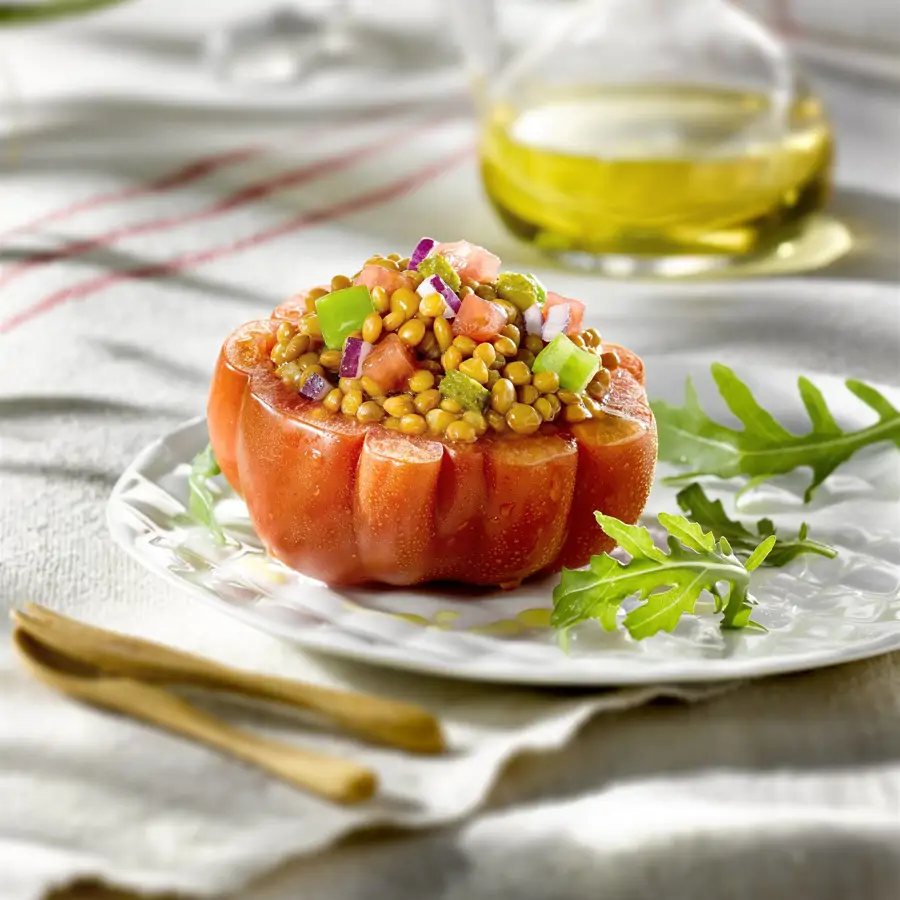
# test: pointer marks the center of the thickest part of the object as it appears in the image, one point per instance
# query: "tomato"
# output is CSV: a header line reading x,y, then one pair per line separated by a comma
x,y
390,364
576,311
377,276
350,503
480,319
470,260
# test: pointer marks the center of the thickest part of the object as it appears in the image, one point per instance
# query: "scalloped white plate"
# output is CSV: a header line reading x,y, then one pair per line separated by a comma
x,y
817,611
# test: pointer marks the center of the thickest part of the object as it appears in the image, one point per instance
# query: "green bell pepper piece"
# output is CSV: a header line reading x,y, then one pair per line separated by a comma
x,y
575,367
343,312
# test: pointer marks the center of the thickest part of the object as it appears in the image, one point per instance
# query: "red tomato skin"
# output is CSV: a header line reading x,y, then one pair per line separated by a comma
x,y
349,503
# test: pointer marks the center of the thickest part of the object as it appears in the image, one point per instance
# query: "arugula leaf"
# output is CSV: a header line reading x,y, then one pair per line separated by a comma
x,y
200,500
695,562
764,448
711,514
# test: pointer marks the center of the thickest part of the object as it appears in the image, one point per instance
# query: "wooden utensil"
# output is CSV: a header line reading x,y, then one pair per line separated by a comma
x,y
401,725
336,779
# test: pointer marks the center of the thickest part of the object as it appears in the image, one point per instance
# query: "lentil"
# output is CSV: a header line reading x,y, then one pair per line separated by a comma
x,y
546,382
451,358
413,424
486,353
372,327
332,401
575,413
432,305
438,420
309,324
503,395
460,430
518,373
423,380
534,343
476,420
427,401
350,384
523,419
412,332
465,345
474,368
393,320
285,332
527,357
371,387
369,411
307,359
380,299
399,405
543,406
331,360
599,384
351,403
609,359
443,333
406,301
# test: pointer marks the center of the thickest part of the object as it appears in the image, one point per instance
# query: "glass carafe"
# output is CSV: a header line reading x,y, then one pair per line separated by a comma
x,y
646,136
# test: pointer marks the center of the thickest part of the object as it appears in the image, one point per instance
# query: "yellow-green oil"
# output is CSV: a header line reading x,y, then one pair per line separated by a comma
x,y
650,171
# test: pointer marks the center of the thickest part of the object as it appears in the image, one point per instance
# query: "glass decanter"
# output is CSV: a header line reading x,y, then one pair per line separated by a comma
x,y
657,137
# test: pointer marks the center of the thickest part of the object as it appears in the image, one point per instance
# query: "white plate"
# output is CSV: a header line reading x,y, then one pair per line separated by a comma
x,y
817,611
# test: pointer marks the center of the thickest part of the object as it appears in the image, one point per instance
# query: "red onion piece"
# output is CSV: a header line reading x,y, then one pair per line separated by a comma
x,y
315,387
423,248
557,321
355,352
534,320
434,284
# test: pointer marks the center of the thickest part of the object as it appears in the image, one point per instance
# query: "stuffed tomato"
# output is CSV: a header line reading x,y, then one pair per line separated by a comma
x,y
431,418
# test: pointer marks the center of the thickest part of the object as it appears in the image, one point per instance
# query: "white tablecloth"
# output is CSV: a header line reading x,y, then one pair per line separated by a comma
x,y
130,172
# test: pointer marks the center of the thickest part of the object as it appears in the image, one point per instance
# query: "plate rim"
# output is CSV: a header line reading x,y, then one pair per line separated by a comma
x,y
697,671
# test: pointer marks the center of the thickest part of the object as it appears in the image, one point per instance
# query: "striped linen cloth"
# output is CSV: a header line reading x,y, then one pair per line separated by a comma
x,y
146,212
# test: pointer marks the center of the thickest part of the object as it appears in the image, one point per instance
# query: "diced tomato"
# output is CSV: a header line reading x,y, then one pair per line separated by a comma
x,y
470,260
295,307
480,319
377,276
390,363
576,310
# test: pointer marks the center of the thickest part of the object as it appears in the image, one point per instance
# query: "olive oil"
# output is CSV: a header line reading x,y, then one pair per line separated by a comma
x,y
656,172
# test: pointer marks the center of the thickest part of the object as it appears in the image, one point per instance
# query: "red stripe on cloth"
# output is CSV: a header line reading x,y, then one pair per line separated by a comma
x,y
193,171
385,194
241,197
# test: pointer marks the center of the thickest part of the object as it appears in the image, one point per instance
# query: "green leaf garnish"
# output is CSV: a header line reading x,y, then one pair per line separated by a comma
x,y
200,500
670,583
711,515
764,448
